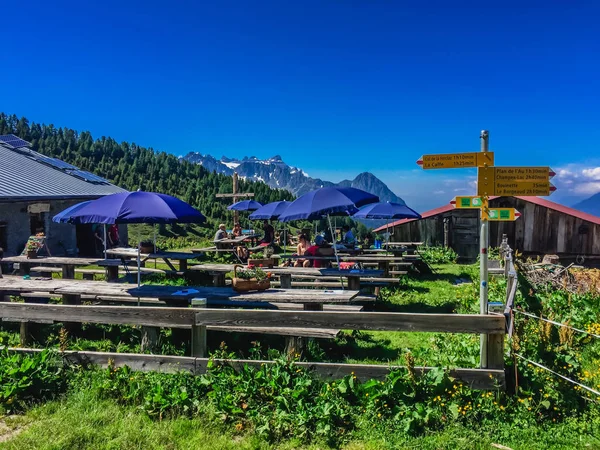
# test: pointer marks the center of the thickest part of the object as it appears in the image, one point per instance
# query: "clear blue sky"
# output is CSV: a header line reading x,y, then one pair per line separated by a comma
x,y
335,87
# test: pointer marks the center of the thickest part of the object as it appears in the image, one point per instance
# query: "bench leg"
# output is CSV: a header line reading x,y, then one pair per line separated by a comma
x,y
183,265
112,273
354,283
149,339
24,269
68,272
88,276
285,280
24,335
219,279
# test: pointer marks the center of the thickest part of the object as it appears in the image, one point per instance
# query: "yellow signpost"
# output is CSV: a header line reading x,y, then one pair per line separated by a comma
x,y
456,160
467,202
500,214
508,181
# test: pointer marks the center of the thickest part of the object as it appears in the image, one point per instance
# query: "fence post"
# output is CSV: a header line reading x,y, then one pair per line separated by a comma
x,y
199,344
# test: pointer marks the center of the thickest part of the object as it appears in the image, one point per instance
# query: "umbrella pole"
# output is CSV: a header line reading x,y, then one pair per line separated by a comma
x,y
104,241
154,229
337,258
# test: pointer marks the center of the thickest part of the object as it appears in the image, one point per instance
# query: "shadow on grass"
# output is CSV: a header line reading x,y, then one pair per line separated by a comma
x,y
359,346
414,307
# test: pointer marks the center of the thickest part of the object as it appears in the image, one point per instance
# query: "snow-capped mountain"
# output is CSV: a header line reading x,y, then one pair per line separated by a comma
x,y
277,174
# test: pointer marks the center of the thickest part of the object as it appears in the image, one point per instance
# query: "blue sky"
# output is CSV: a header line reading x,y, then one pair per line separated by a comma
x,y
335,87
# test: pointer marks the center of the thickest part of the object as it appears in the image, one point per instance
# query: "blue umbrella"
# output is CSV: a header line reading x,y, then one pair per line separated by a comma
x,y
327,201
65,215
245,205
137,207
270,211
387,210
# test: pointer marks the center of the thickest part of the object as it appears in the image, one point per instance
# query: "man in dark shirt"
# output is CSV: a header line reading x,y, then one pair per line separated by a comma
x,y
269,236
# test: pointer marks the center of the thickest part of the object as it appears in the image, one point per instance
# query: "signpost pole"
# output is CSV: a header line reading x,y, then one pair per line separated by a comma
x,y
483,262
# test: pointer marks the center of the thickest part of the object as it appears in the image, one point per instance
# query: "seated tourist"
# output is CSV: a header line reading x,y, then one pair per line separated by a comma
x,y
316,250
301,249
348,241
269,236
220,235
237,230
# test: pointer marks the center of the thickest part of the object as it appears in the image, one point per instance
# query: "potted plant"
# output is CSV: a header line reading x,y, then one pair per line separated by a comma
x,y
251,279
32,248
262,258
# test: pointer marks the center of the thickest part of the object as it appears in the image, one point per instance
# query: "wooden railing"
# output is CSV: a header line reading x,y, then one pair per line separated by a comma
x,y
198,319
512,283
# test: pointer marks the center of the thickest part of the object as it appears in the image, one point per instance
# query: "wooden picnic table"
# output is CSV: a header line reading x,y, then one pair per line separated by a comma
x,y
72,290
67,264
181,257
286,273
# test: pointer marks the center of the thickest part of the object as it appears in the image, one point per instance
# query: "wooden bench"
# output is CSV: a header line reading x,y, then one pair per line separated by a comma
x,y
88,274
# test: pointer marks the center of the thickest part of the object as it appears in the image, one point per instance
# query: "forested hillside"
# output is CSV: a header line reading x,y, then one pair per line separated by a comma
x,y
133,167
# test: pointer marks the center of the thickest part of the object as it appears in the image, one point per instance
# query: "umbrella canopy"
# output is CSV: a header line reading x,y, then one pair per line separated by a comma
x,y
137,207
65,215
386,210
327,201
245,205
270,211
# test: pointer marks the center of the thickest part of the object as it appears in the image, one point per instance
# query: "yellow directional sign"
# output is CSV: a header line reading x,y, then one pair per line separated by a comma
x,y
526,181
467,202
456,160
500,214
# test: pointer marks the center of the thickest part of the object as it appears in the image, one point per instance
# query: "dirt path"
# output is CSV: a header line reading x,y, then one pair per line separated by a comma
x,y
8,428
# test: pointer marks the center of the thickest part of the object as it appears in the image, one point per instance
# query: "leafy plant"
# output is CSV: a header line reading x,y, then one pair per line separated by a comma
x,y
438,255
252,273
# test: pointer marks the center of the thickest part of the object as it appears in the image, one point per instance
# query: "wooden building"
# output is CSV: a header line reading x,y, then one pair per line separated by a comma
x,y
34,188
544,227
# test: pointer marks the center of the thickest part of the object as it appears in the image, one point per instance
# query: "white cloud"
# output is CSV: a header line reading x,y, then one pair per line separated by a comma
x,y
439,192
461,190
593,174
590,188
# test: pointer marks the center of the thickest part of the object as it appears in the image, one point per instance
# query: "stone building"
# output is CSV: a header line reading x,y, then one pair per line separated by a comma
x,y
34,188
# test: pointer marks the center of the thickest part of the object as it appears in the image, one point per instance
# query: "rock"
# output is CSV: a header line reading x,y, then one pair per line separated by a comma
x,y
551,259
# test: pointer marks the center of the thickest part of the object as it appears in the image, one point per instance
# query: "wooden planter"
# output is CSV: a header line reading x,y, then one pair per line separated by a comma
x,y
242,285
265,262
31,254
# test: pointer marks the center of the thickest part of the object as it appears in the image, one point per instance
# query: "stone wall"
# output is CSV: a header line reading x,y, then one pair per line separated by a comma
x,y
61,238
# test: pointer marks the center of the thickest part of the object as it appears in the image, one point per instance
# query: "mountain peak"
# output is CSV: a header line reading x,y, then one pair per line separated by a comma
x,y
277,174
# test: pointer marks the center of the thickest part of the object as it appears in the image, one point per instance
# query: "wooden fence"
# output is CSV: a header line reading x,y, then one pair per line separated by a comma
x,y
199,319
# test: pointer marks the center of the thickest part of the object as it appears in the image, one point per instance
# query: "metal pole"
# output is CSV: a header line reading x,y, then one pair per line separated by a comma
x,y
104,241
236,214
337,258
483,262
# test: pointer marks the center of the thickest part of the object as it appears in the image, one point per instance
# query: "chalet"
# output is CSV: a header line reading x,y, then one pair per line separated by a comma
x,y
544,227
34,188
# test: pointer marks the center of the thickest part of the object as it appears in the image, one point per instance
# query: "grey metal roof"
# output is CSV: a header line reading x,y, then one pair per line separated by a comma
x,y
22,177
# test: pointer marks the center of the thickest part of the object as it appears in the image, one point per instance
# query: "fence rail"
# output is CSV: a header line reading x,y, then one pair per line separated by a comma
x,y
199,319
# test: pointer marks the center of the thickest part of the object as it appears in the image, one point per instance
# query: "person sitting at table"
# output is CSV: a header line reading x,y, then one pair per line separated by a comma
x,y
301,250
237,230
316,250
347,241
220,235
269,236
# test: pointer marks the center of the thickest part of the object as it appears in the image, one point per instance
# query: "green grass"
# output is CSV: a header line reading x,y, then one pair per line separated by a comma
x,y
437,293
82,421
